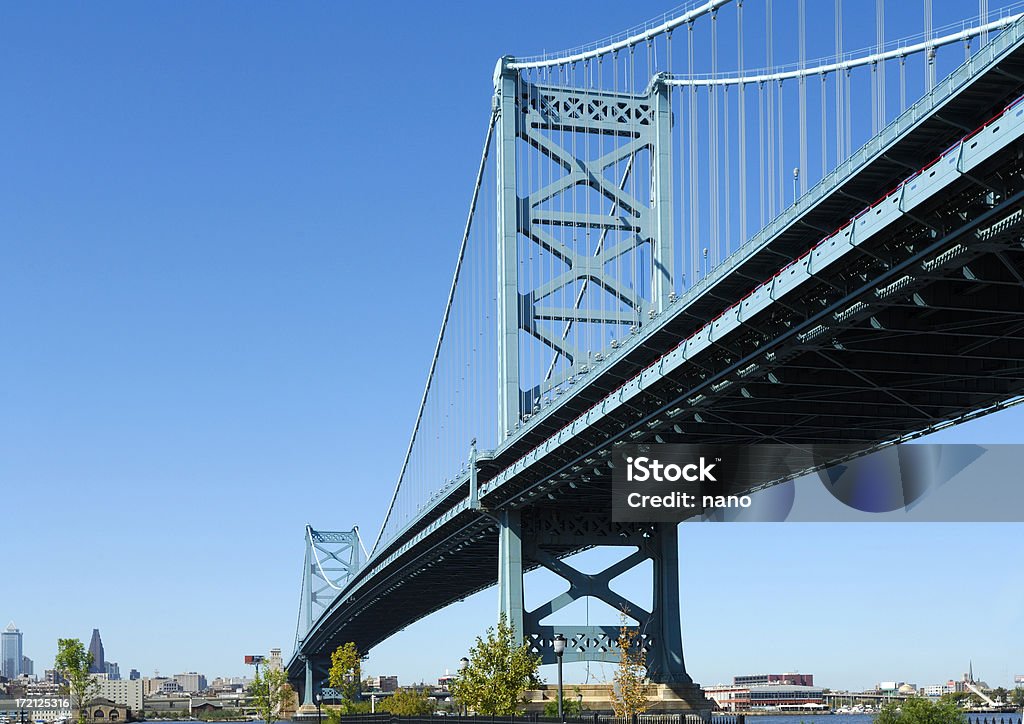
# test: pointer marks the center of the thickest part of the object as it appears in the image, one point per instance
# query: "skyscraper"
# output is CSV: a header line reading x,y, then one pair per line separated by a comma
x,y
10,651
99,665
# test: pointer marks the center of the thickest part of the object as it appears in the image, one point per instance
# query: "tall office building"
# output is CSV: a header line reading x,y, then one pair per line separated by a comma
x,y
191,682
10,651
113,670
28,667
99,664
134,675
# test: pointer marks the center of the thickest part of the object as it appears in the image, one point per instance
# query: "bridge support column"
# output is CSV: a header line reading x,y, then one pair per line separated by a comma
x,y
307,694
540,537
510,570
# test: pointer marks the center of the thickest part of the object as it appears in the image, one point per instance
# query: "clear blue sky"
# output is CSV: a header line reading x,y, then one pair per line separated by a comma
x,y
226,234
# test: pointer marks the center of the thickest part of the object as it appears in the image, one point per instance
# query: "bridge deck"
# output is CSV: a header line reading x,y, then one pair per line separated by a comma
x,y
918,320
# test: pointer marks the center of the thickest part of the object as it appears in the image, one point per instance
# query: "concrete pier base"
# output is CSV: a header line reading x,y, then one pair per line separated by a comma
x,y
596,698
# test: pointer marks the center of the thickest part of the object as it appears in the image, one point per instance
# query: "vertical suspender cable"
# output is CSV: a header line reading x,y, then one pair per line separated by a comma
x,y
781,107
771,113
880,33
444,323
930,62
824,126
741,112
983,13
839,82
802,94
874,97
903,83
713,169
760,151
694,186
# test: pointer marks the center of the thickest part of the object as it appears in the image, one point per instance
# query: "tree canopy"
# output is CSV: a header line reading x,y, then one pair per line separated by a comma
x,y
344,673
72,663
270,692
500,670
918,710
629,687
407,702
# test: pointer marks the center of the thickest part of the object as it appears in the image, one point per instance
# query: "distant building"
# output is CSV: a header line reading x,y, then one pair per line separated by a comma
x,y
102,710
792,679
275,661
113,670
729,697
784,696
27,666
383,683
934,691
134,675
11,652
99,664
53,677
735,697
191,682
121,691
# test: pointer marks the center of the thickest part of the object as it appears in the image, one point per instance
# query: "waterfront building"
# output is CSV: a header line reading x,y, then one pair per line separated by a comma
x,y
99,664
729,697
783,696
11,652
791,679
732,697
101,709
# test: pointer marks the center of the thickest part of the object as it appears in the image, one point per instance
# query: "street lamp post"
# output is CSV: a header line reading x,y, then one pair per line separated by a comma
x,y
559,645
319,697
463,665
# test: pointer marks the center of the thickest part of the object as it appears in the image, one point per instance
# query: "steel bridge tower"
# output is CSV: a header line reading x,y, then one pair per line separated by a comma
x,y
632,124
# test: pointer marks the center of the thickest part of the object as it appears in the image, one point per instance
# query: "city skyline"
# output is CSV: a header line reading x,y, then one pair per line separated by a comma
x,y
182,360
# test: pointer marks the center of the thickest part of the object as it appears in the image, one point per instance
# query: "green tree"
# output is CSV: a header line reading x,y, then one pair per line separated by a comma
x,y
1017,697
344,674
72,663
500,670
407,702
629,687
999,694
955,697
270,692
918,710
571,706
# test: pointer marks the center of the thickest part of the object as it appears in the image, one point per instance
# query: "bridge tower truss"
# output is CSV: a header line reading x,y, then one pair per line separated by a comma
x,y
332,560
584,237
540,538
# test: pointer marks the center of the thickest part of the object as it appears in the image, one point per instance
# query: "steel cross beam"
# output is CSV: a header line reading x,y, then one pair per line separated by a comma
x,y
539,538
636,123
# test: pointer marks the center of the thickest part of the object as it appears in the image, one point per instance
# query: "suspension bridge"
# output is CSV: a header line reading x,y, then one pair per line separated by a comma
x,y
717,227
